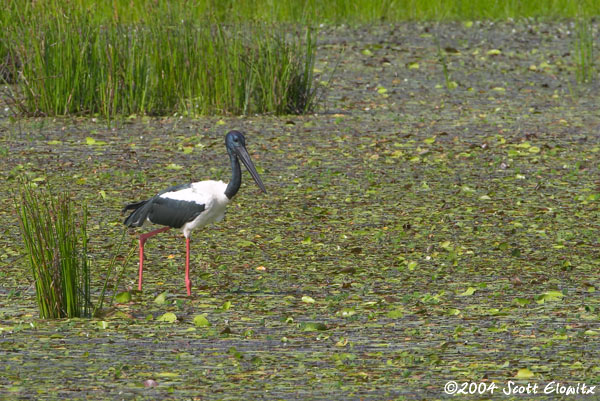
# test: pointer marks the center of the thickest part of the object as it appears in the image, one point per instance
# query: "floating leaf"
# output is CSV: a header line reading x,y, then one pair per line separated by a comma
x,y
347,312
494,52
468,292
201,321
395,314
168,317
549,296
308,300
93,142
313,326
524,373
161,298
560,337
453,312
123,297
342,342
593,197
521,301
168,374
235,353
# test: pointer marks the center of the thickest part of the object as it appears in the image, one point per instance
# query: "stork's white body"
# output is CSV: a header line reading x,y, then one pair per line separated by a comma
x,y
209,193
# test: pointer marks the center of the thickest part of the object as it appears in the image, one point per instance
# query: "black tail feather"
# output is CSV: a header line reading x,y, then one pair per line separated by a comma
x,y
133,206
138,216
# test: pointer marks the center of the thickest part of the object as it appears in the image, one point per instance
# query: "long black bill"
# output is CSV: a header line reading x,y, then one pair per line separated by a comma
x,y
245,158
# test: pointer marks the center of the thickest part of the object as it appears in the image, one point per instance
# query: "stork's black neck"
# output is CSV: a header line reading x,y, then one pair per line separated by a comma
x,y
236,177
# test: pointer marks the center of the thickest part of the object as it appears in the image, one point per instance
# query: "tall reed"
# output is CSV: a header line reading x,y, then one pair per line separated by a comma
x,y
165,63
584,57
55,238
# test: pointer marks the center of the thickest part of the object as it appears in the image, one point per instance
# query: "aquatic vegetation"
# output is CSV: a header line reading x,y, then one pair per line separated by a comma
x,y
55,239
69,62
583,50
413,236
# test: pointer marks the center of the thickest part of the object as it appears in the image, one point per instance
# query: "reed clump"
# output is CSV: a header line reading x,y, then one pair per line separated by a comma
x,y
56,244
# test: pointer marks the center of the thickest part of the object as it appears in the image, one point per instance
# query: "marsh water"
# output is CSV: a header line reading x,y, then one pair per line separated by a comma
x,y
435,219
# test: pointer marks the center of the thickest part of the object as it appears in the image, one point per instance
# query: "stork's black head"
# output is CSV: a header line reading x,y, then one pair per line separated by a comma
x,y
234,139
236,146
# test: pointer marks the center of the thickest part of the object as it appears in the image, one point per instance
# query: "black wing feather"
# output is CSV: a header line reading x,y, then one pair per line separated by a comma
x,y
164,211
173,213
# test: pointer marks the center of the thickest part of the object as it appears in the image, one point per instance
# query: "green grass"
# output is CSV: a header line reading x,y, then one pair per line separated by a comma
x,y
55,239
314,11
74,63
206,57
441,54
368,11
584,51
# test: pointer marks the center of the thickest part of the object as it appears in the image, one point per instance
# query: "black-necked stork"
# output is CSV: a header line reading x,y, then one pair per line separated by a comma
x,y
192,205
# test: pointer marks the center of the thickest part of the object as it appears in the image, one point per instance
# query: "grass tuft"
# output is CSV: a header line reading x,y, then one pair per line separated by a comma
x,y
585,68
56,243
55,238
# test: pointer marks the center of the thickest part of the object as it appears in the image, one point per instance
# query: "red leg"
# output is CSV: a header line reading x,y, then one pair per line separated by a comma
x,y
142,241
141,263
188,283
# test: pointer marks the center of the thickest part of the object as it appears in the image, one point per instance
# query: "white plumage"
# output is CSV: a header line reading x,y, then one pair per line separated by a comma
x,y
211,194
